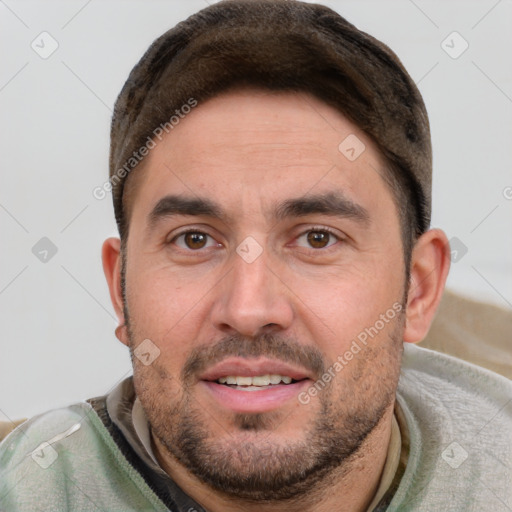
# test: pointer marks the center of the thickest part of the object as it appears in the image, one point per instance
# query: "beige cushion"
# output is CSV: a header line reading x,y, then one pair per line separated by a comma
x,y
7,426
474,331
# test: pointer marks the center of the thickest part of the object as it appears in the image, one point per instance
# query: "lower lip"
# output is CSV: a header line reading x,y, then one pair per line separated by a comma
x,y
267,399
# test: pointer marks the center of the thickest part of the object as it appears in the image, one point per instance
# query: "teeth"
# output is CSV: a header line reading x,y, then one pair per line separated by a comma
x,y
259,380
244,381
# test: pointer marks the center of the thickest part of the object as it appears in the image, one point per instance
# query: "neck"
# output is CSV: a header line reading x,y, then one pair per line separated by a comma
x,y
354,484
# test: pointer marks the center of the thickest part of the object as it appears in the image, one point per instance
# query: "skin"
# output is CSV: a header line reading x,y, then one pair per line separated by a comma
x,y
202,303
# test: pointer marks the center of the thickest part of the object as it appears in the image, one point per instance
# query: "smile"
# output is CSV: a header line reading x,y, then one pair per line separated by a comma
x,y
254,385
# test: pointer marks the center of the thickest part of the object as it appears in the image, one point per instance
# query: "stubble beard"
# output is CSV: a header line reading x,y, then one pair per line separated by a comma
x,y
255,465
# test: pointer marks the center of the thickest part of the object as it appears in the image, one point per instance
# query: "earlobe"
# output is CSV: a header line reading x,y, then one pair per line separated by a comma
x,y
111,258
430,263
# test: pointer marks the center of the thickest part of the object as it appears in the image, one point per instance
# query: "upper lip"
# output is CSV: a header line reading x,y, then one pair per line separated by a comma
x,y
253,367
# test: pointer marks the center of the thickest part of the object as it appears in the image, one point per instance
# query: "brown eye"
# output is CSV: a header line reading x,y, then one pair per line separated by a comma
x,y
318,239
195,240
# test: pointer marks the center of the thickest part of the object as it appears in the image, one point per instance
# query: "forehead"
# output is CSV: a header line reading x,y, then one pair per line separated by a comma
x,y
249,148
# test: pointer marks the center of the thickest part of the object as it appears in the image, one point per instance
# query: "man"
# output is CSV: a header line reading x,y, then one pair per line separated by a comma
x,y
271,175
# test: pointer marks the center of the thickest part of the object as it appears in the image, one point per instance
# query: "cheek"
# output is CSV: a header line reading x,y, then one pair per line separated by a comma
x,y
341,304
159,293
165,309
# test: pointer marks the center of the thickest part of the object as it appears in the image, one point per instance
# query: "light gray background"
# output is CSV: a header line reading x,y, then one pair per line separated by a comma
x,y
58,344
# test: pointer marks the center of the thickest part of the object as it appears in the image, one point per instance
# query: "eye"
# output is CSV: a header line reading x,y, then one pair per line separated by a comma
x,y
319,238
193,240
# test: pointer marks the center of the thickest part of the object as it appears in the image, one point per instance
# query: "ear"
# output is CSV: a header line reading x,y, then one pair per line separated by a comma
x,y
111,257
430,263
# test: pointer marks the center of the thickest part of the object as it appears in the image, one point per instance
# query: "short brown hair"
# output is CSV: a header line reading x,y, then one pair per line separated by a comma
x,y
282,45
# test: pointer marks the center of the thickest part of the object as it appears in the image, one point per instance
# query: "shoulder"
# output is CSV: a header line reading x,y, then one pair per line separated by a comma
x,y
65,459
443,374
44,428
459,418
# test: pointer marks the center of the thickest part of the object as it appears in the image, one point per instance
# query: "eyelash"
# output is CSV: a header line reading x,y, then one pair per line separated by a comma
x,y
311,229
323,230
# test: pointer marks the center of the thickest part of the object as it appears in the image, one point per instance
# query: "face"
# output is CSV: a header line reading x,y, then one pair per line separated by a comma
x,y
266,269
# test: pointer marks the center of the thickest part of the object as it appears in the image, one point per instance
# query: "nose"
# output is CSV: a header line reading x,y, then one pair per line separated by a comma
x,y
252,299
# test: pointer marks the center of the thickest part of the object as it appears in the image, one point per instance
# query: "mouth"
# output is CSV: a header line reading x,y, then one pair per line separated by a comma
x,y
254,385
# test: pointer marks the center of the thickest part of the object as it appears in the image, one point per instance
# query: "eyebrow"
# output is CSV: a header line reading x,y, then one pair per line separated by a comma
x,y
333,204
